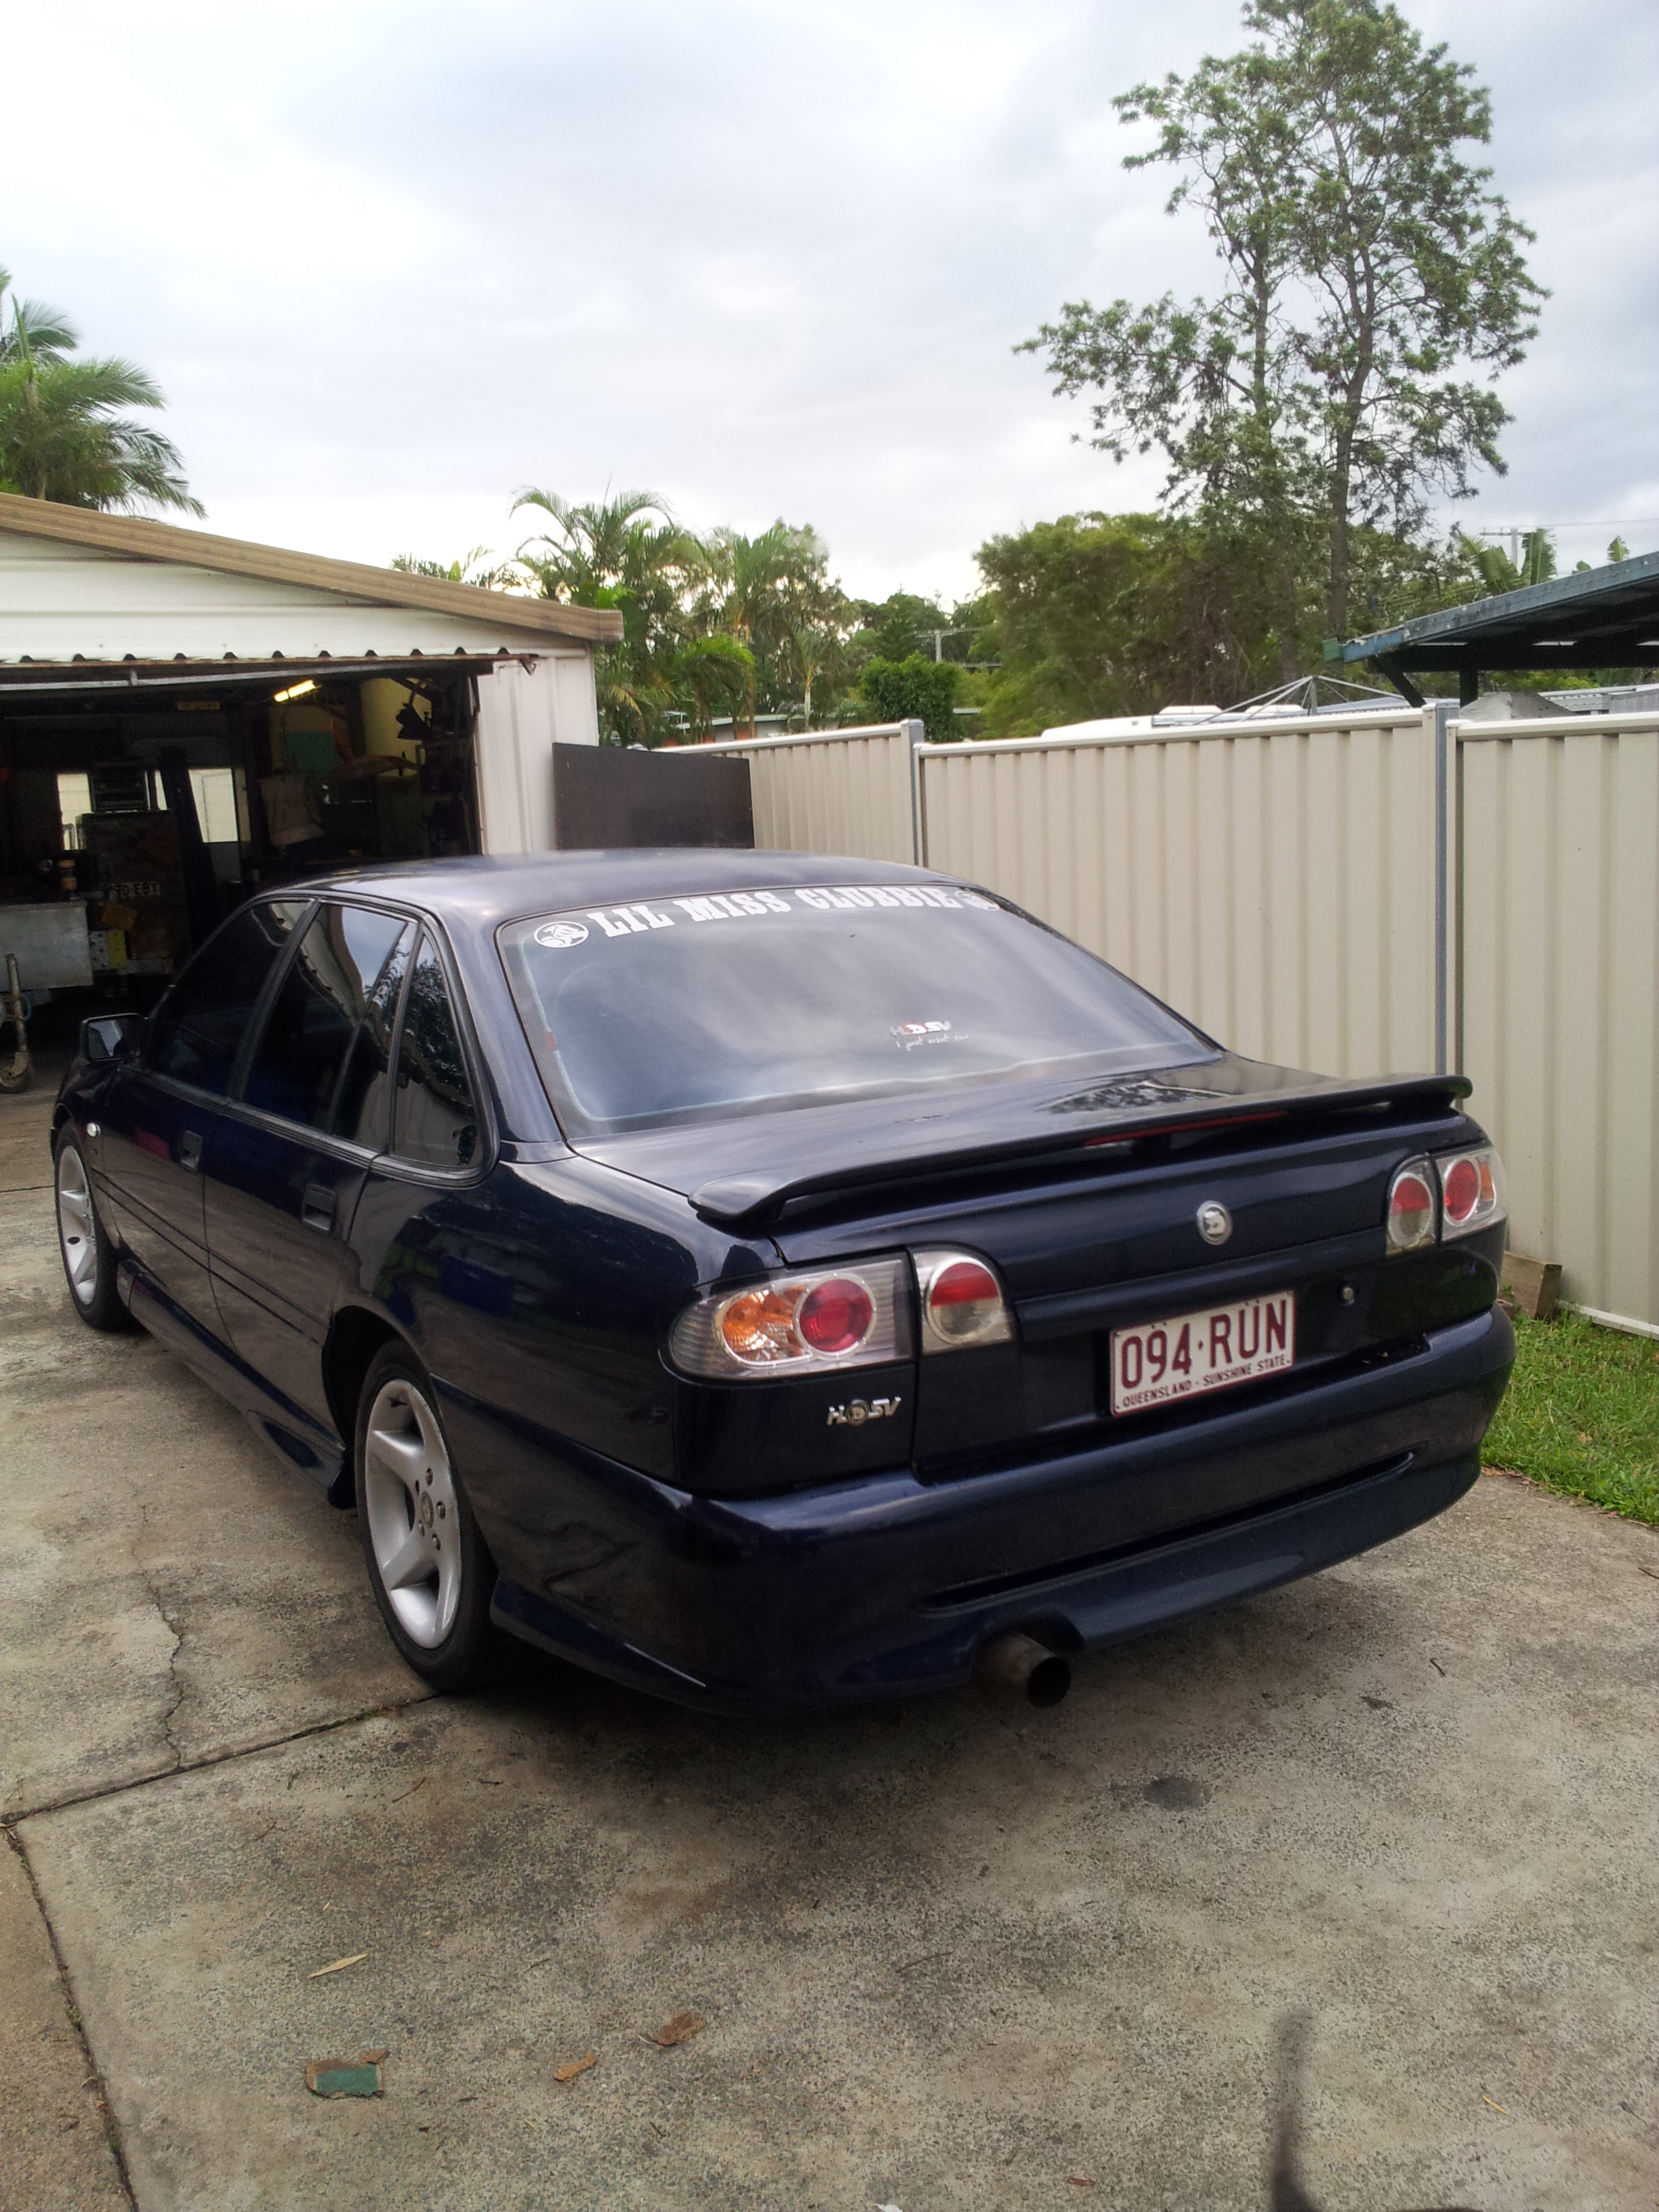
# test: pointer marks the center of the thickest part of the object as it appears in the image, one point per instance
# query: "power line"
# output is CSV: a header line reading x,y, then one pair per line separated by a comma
x,y
1606,522
1518,536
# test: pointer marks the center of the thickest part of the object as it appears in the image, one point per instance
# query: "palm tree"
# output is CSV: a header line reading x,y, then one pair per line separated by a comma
x,y
597,542
764,591
61,435
710,673
629,552
1499,573
478,566
35,329
809,649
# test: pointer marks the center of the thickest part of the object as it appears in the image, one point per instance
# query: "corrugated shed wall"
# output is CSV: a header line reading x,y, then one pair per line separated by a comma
x,y
1274,883
1559,1000
523,712
844,791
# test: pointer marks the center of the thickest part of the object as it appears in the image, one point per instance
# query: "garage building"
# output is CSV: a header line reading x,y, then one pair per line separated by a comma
x,y
185,719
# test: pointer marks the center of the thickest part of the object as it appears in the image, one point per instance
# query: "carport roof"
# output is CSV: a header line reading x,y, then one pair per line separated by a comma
x,y
357,581
1604,617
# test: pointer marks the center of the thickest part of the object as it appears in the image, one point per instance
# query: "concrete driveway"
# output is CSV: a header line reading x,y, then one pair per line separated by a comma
x,y
959,1955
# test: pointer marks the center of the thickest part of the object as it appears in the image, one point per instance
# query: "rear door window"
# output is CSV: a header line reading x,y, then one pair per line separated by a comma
x,y
199,1026
435,1118
313,1020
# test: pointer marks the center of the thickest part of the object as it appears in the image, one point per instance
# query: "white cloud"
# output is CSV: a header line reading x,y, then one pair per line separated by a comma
x,y
390,262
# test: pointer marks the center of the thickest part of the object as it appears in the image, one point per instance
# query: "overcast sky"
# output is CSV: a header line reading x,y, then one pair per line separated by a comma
x,y
764,257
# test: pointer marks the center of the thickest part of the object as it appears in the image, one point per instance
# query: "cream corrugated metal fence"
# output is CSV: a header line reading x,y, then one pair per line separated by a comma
x,y
1558,834
835,790
1274,881
1367,894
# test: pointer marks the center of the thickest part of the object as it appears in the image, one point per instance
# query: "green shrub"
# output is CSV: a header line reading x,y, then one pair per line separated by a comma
x,y
916,690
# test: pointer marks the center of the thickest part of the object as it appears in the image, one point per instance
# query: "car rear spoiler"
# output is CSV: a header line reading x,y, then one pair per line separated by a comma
x,y
746,1201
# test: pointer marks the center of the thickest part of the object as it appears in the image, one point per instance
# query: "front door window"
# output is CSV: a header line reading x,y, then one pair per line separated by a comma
x,y
302,1053
199,1026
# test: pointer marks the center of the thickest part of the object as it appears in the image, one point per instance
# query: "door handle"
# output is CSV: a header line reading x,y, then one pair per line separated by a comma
x,y
317,1208
189,1150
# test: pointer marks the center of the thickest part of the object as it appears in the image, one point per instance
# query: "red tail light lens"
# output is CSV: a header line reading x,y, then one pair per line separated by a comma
x,y
1472,1193
1411,1215
961,1303
835,1317
1460,1188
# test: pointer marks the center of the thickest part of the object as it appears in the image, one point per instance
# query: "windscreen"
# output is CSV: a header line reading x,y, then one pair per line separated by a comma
x,y
674,1010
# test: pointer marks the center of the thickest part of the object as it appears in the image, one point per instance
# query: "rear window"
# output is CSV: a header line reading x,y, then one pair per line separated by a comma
x,y
672,1009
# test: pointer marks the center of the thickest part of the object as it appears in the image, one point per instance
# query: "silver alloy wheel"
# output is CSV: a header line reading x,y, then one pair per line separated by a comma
x,y
76,1230
413,1521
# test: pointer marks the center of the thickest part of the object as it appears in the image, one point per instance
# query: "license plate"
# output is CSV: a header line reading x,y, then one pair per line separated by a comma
x,y
1161,1360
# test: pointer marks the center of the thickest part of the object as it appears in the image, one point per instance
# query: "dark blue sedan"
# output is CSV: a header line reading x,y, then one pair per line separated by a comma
x,y
772,1280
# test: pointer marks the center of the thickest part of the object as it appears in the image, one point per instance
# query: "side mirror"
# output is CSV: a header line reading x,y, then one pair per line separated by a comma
x,y
112,1036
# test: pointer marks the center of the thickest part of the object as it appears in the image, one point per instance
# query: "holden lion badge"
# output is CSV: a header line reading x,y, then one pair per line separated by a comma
x,y
1215,1224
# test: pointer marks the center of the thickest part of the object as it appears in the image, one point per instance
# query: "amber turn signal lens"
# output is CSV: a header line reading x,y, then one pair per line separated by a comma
x,y
760,1326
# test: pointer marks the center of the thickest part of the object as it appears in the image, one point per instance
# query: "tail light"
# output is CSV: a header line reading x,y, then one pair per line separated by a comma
x,y
1452,1195
961,1303
1411,1215
853,1316
858,1316
1472,1193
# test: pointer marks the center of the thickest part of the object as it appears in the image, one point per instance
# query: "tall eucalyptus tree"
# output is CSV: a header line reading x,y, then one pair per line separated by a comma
x,y
1373,285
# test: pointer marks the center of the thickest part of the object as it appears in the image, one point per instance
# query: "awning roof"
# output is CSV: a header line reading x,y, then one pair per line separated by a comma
x,y
1597,618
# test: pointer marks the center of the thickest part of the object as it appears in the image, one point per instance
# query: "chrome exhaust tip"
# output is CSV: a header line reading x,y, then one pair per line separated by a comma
x,y
1019,1666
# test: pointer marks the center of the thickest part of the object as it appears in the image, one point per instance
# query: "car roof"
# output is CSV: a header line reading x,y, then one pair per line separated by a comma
x,y
480,892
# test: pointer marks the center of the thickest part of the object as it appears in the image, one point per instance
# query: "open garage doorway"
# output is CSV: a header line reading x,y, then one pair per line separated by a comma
x,y
143,807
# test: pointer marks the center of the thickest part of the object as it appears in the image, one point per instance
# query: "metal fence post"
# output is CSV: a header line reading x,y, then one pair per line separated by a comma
x,y
1443,711
916,732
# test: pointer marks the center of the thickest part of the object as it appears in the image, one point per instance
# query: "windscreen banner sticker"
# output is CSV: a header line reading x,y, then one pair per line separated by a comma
x,y
641,915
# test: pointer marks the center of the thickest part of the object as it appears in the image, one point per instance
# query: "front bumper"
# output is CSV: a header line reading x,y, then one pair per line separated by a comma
x,y
885,1586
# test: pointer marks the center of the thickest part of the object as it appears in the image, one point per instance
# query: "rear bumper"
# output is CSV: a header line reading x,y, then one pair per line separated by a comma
x,y
887,1586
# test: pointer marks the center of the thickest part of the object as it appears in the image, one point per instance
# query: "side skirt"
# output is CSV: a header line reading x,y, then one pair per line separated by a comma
x,y
296,1439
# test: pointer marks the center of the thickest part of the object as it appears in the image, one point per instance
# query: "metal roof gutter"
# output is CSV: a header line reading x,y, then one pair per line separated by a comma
x,y
73,681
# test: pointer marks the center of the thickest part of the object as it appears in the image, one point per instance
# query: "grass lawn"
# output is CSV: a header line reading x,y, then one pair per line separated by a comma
x,y
1581,1415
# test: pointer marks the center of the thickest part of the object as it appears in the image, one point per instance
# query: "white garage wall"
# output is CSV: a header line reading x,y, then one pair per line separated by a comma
x,y
58,602
525,709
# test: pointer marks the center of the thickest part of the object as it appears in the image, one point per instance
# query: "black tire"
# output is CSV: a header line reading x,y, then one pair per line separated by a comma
x,y
84,1245
440,1619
